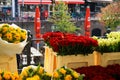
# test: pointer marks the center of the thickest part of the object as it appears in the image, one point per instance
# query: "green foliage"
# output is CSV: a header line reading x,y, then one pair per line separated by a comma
x,y
61,18
110,15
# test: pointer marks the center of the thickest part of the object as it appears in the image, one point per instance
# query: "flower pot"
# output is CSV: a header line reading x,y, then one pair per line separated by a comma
x,y
53,61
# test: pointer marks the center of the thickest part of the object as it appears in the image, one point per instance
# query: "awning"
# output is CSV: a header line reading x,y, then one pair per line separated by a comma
x,y
49,1
72,1
101,0
34,1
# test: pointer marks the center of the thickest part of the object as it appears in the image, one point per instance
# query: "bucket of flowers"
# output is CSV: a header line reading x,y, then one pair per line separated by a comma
x,y
12,39
34,73
6,75
65,73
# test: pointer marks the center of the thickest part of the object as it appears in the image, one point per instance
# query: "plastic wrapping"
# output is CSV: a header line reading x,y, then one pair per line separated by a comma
x,y
11,49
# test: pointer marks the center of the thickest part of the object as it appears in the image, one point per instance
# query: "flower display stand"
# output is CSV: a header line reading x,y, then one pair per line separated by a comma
x,y
97,57
110,58
107,58
8,63
53,61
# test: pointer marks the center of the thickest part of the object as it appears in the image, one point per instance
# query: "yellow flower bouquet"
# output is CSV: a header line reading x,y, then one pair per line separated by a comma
x,y
12,39
34,73
6,75
65,73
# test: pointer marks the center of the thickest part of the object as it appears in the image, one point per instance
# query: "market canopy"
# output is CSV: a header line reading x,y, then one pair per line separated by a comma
x,y
72,1
49,1
101,0
34,1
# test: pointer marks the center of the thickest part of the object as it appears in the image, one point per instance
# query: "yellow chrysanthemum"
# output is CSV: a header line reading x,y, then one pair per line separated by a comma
x,y
68,77
23,36
18,30
7,75
9,36
55,75
41,70
4,29
63,71
36,77
30,78
24,73
48,74
15,76
17,36
75,74
12,34
11,28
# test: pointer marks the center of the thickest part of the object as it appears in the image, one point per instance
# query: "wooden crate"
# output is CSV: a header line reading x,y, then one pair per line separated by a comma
x,y
8,63
53,61
107,58
110,58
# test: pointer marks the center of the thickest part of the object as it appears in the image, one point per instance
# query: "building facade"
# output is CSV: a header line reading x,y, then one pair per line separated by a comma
x,y
26,9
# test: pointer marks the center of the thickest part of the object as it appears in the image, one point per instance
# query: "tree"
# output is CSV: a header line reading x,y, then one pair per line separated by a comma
x,y
110,15
61,18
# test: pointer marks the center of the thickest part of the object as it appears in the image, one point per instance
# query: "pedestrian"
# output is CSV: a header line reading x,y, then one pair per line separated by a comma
x,y
45,14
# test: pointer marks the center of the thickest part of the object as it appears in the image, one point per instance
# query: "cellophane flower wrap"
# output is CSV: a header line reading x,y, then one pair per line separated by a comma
x,y
65,73
69,44
12,39
32,72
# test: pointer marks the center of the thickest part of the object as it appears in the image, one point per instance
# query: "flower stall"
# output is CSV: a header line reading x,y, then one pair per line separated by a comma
x,y
12,41
65,49
108,50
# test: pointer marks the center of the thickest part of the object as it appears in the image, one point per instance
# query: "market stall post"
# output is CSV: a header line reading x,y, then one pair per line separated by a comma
x,y
29,47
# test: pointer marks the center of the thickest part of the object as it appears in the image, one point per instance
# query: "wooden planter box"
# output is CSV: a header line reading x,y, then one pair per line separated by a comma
x,y
53,61
107,58
8,63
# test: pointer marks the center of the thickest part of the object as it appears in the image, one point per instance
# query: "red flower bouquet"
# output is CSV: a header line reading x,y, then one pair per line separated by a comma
x,y
69,44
